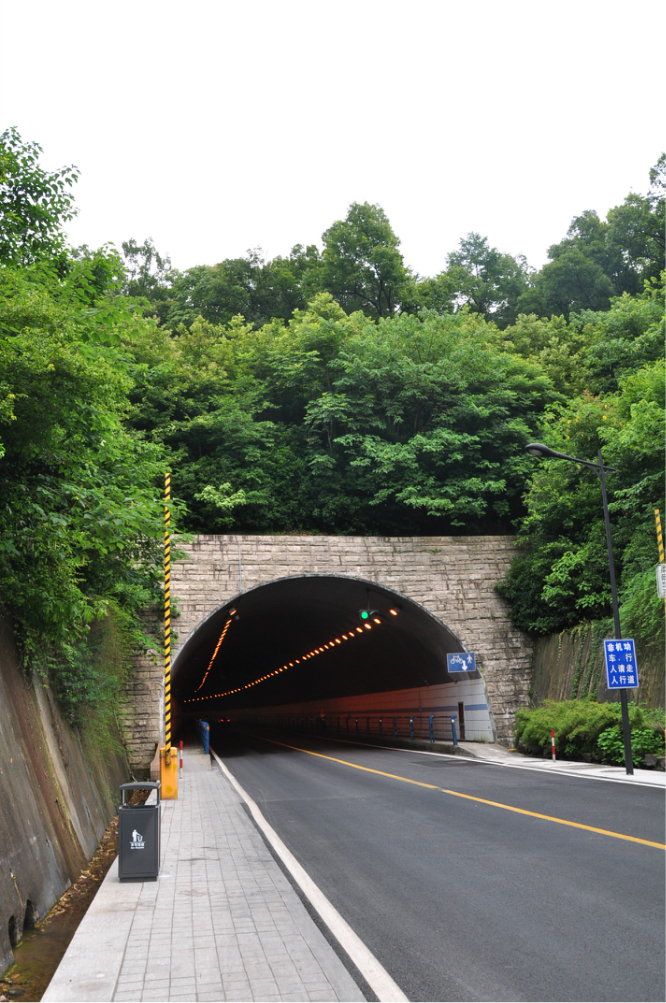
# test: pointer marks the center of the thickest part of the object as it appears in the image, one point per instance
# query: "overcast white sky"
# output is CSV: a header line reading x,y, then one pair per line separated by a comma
x,y
213,126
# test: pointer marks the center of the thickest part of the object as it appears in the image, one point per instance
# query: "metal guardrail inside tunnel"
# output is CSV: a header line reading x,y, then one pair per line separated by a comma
x,y
362,726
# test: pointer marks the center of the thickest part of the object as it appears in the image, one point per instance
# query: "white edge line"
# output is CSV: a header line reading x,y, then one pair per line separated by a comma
x,y
375,974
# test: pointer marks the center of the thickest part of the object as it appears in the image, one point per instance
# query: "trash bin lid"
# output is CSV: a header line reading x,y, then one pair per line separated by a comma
x,y
139,785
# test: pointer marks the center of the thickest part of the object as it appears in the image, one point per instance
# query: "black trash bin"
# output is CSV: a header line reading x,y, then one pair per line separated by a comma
x,y
139,831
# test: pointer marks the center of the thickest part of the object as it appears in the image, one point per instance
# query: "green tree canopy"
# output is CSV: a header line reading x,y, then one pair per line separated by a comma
x,y
34,203
149,276
599,259
252,287
362,265
339,424
488,282
81,515
561,576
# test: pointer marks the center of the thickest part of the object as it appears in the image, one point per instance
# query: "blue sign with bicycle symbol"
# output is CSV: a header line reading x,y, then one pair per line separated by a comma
x,y
462,661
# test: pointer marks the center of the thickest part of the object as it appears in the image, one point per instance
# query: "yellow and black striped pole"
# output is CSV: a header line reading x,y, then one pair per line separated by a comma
x,y
660,541
167,610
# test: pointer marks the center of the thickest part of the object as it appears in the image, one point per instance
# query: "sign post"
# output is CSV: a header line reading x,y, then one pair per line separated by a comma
x,y
167,611
541,450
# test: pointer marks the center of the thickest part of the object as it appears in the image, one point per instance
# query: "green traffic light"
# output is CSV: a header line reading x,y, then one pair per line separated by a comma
x,y
364,614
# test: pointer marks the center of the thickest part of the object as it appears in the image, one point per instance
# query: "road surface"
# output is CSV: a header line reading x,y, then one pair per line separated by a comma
x,y
464,900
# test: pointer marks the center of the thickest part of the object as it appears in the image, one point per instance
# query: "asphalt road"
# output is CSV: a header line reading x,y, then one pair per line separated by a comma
x,y
462,900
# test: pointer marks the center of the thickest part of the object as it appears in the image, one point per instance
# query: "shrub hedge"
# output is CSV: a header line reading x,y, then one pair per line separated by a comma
x,y
590,731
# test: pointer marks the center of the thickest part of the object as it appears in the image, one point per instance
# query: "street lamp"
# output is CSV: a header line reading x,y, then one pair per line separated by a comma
x,y
541,451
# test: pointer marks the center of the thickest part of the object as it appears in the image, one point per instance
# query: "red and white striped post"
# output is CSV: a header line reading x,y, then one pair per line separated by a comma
x,y
552,742
180,760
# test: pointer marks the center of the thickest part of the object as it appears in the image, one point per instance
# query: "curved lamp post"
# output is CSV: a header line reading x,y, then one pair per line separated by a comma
x,y
538,449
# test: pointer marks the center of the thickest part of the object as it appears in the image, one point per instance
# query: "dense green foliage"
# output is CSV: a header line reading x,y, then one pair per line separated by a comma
x,y
330,390
336,423
80,511
600,259
588,730
561,577
80,518
33,203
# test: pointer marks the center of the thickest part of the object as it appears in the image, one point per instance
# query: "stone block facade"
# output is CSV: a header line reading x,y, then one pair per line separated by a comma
x,y
452,577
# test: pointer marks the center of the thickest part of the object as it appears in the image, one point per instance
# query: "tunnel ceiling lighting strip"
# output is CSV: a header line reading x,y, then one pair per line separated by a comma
x,y
349,636
217,648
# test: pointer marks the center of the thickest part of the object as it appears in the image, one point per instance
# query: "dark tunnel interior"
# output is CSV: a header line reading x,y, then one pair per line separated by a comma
x,y
303,638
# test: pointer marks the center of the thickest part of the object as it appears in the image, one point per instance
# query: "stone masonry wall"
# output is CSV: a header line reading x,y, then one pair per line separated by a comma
x,y
452,577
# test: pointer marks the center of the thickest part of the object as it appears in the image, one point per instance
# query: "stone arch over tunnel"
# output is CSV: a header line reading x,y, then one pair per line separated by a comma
x,y
452,578
300,639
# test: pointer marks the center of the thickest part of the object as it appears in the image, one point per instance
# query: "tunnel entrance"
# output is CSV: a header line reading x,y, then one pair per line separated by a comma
x,y
303,638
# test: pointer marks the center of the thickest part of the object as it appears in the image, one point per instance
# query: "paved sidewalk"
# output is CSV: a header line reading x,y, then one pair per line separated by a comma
x,y
498,754
221,923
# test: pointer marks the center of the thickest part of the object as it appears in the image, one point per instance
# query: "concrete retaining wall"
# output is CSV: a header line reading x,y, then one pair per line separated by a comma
x,y
58,792
571,664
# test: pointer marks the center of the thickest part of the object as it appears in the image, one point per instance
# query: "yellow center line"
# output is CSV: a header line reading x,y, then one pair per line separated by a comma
x,y
320,755
471,797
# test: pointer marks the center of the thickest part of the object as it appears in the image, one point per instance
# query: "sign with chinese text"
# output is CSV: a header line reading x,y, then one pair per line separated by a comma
x,y
661,580
463,661
621,667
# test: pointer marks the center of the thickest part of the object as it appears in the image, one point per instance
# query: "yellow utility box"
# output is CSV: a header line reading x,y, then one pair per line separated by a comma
x,y
168,773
